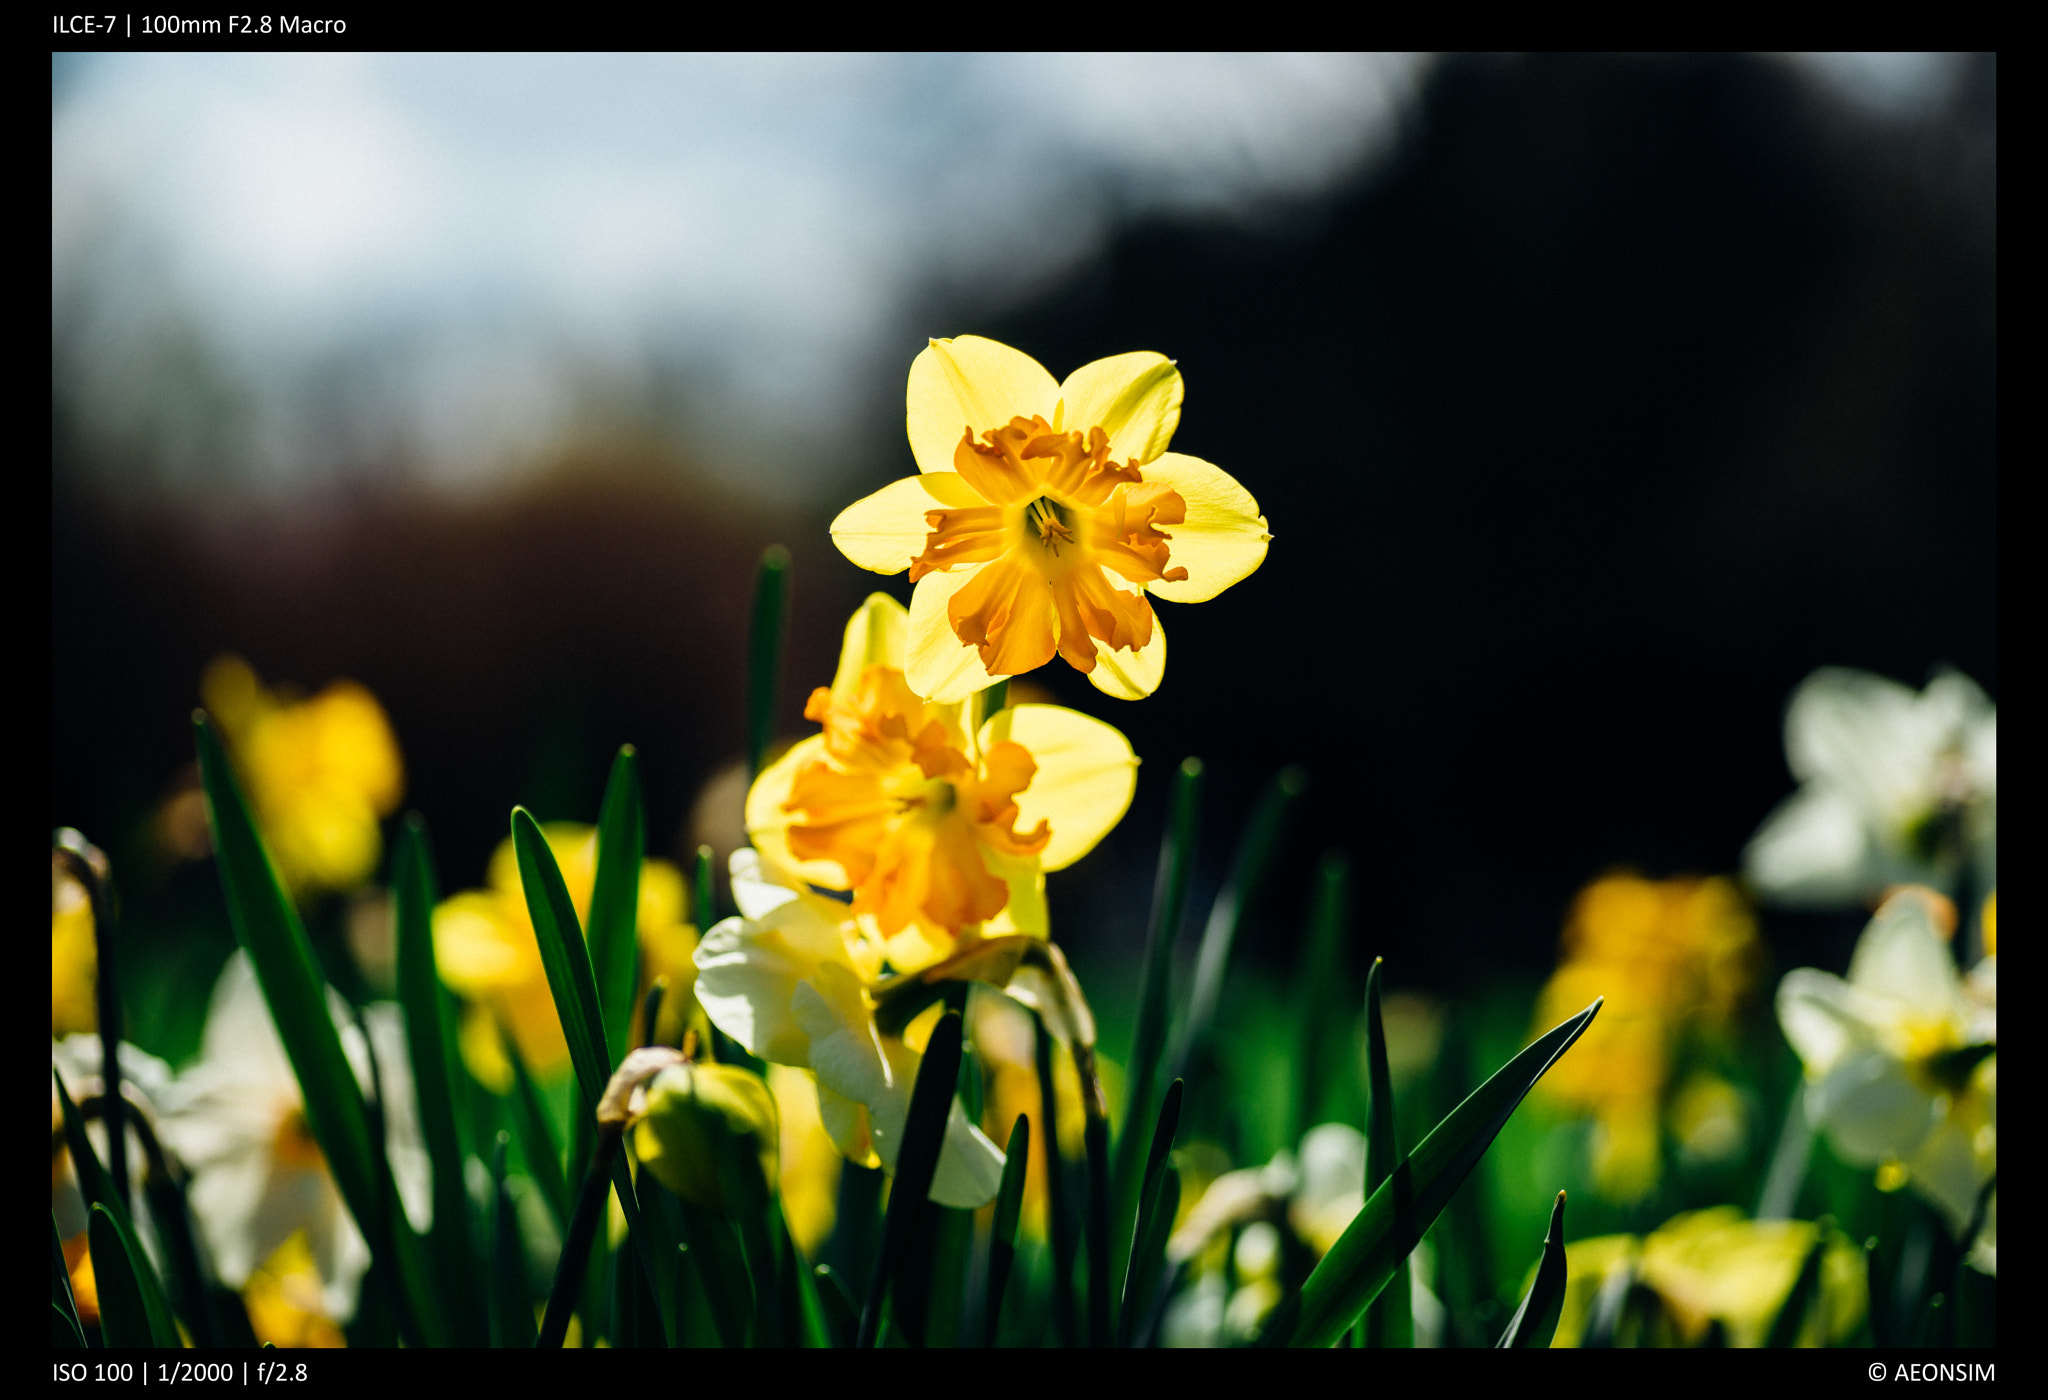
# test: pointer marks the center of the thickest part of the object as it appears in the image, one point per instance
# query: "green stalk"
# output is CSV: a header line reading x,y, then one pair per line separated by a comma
x,y
764,653
924,1135
1390,1321
1535,1321
1002,1246
1059,1200
1169,896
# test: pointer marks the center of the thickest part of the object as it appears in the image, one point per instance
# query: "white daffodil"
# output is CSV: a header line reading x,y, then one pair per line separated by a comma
x,y
790,979
238,1121
1895,788
1901,1060
78,1060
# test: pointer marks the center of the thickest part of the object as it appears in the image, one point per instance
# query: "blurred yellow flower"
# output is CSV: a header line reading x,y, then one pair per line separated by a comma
x,y
320,773
1708,1267
810,1160
792,978
1667,955
1024,534
1901,1058
285,1302
934,825
485,948
74,958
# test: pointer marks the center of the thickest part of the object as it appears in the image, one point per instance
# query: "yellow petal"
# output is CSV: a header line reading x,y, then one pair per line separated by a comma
x,y
941,667
768,824
970,383
1135,398
885,531
1223,538
1131,675
1086,774
874,637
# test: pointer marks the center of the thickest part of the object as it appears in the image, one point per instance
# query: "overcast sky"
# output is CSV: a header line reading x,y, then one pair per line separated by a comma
x,y
463,240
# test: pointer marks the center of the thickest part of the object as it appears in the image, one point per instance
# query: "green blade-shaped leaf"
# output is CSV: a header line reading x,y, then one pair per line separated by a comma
x,y
1535,1321
1169,898
1325,1006
1250,870
615,900
836,1302
430,1042
1390,1321
1785,1326
1155,1166
1002,1245
1389,1226
537,1145
764,653
565,958
268,928
924,1133
69,1332
133,1312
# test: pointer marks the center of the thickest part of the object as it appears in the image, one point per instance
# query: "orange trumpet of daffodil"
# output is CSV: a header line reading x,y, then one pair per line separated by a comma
x,y
1043,516
936,825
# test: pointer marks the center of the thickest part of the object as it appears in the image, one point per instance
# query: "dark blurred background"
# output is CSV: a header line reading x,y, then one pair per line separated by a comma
x,y
1610,400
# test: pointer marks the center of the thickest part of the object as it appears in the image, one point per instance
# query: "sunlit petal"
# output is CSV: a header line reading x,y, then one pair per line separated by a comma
x,y
1086,775
970,382
1131,675
1135,398
875,636
939,666
886,530
1222,540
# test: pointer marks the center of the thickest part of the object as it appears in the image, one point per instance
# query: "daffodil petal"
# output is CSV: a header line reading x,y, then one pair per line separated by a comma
x,y
886,530
1902,957
1131,675
846,1053
1026,911
746,984
846,1123
1086,775
1223,538
1870,1108
1812,851
1822,1017
768,824
970,1166
1135,398
970,383
940,667
874,637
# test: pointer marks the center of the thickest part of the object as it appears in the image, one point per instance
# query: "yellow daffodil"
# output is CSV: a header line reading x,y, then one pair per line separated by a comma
x,y
237,1120
936,825
1901,1060
74,957
1896,787
1042,517
810,1161
1667,955
320,773
792,979
1704,1268
485,948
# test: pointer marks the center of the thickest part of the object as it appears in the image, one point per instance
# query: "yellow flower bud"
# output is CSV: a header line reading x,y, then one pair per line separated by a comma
x,y
709,1135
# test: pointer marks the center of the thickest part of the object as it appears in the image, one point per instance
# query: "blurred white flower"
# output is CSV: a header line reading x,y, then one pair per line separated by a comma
x,y
78,1059
789,979
1895,788
237,1120
1901,1059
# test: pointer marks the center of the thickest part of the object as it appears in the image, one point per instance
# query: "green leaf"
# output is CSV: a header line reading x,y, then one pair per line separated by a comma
x,y
1062,1221
836,1302
615,901
924,1134
537,1145
511,1312
1002,1245
430,1042
268,928
133,1312
577,1236
1169,897
1391,1223
565,958
1535,1321
1141,1271
1250,873
1785,1326
68,1331
764,653
1324,1006
1390,1321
